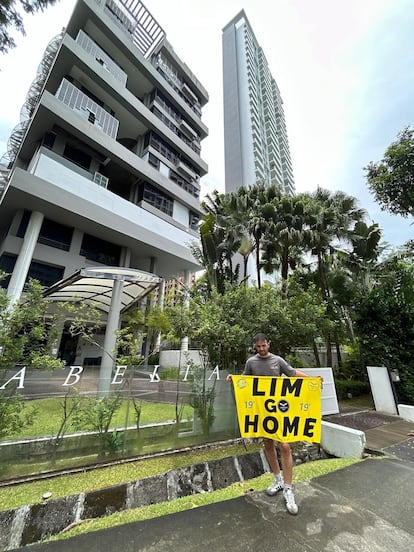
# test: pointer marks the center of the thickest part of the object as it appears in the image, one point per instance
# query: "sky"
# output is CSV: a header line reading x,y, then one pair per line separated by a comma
x,y
345,70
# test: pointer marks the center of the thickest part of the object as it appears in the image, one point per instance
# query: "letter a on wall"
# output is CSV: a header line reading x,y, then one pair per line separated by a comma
x,y
279,408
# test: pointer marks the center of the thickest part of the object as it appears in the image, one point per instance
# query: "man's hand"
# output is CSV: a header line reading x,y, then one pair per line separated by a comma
x,y
301,374
229,378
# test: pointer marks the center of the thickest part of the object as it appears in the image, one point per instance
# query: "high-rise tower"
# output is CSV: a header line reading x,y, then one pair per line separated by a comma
x,y
255,137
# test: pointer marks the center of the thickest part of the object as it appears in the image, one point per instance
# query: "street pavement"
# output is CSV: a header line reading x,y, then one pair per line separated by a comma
x,y
367,507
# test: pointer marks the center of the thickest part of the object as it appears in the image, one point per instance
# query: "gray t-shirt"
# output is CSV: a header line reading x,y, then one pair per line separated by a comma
x,y
271,365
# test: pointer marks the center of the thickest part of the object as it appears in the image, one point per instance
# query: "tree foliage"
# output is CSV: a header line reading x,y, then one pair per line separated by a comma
x,y
326,228
391,180
223,324
28,333
385,320
11,16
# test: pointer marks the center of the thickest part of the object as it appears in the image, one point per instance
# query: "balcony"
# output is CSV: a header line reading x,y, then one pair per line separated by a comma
x,y
74,98
63,179
188,131
101,57
137,23
186,171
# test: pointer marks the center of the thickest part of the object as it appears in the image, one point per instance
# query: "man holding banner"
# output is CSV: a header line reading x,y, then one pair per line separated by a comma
x,y
281,410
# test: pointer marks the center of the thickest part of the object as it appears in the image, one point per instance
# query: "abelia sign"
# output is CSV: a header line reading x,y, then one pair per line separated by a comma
x,y
75,372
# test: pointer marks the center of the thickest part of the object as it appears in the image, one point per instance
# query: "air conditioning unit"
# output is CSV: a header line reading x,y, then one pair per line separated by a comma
x,y
100,179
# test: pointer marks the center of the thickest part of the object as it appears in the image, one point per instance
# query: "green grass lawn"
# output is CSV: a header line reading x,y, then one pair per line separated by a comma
x,y
50,415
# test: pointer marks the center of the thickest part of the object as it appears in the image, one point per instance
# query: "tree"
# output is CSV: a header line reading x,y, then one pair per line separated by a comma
x,y
11,15
217,245
28,333
330,220
223,325
391,180
385,320
284,238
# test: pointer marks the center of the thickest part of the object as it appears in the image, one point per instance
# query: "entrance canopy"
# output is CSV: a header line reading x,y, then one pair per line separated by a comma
x,y
93,286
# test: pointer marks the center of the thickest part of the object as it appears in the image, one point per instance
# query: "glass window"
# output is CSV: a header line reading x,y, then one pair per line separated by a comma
x,y
7,263
55,235
194,220
23,224
46,274
77,156
157,199
101,251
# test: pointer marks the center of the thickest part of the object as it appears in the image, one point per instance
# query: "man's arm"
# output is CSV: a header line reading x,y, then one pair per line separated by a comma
x,y
301,374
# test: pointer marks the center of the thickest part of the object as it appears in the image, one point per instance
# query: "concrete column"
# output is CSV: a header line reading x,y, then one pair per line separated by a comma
x,y
148,305
112,325
161,297
24,259
184,341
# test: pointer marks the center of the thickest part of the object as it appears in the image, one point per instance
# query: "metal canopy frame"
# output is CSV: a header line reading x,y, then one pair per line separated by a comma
x,y
93,286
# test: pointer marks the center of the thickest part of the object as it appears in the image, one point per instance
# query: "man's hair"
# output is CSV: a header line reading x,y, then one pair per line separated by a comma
x,y
260,337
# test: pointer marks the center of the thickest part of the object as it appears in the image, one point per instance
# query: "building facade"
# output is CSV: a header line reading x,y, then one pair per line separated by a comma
x,y
255,137
104,168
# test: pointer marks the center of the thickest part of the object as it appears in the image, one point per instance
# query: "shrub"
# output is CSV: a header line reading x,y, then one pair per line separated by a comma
x,y
352,387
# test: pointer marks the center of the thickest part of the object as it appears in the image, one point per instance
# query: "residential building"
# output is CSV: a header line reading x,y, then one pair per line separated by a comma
x,y
104,168
255,137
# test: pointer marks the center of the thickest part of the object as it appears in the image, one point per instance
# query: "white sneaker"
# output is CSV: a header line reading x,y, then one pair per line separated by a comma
x,y
289,497
275,487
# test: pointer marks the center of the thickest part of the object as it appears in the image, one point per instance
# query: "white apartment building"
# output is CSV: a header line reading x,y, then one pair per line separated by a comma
x,y
255,137
104,168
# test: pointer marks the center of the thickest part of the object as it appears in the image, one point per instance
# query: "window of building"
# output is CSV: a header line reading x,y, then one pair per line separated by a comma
x,y
101,251
194,221
49,140
21,231
7,263
77,156
55,235
152,160
158,199
46,274
184,184
51,233
151,139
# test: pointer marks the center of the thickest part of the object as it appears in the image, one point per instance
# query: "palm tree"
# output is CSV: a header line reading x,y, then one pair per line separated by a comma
x,y
284,239
330,218
260,201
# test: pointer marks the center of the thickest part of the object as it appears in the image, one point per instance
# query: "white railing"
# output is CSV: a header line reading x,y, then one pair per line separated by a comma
x,y
71,96
102,57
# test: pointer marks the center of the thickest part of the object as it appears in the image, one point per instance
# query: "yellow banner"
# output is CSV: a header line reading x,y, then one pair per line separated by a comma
x,y
279,408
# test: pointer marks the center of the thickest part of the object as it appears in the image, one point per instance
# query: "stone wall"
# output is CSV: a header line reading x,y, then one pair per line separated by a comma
x,y
31,523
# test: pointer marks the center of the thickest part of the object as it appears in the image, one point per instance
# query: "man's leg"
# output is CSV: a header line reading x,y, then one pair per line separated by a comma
x,y
287,462
287,466
271,455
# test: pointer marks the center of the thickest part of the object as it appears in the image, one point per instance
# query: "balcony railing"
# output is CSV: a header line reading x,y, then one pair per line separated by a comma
x,y
137,22
101,57
71,96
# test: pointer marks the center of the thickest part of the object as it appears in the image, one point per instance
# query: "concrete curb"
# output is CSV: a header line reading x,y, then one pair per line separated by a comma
x,y
341,441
